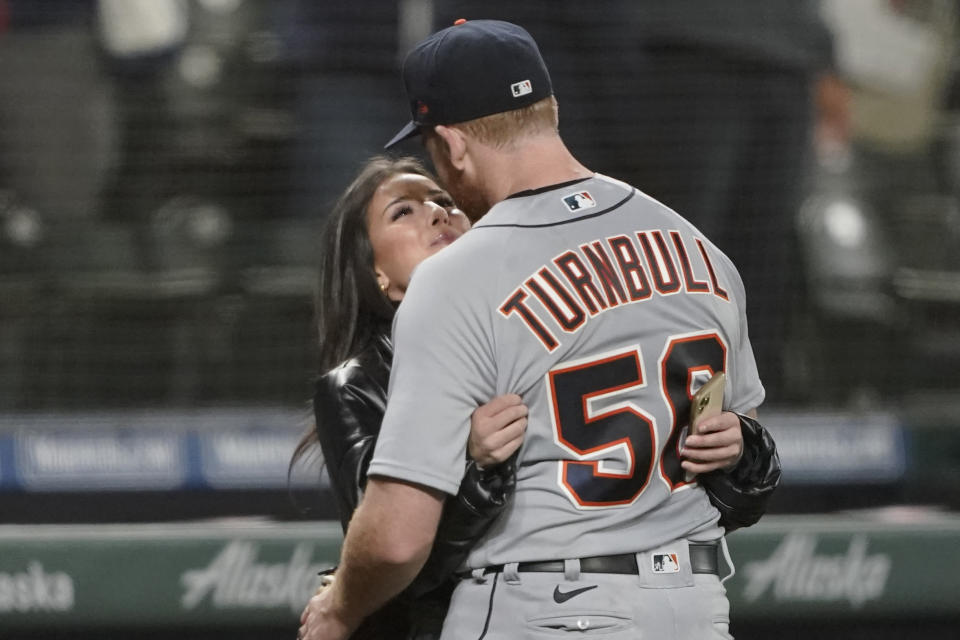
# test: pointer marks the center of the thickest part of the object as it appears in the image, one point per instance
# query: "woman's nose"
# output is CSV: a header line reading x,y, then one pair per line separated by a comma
x,y
438,214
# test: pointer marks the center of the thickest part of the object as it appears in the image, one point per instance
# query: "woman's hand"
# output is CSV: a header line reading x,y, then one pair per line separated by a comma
x,y
496,430
719,445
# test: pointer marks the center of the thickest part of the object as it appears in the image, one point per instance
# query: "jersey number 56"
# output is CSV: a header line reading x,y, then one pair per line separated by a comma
x,y
624,431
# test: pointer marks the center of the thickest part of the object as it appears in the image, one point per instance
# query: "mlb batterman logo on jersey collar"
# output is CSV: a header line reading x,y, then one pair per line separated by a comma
x,y
579,201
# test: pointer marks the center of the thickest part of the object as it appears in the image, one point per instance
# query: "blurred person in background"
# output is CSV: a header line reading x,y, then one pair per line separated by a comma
x,y
721,127
202,117
886,200
55,110
392,217
344,98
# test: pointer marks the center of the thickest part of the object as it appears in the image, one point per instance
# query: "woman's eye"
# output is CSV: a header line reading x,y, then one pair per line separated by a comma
x,y
445,201
400,212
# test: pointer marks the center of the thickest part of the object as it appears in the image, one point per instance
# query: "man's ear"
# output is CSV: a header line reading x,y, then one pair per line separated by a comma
x,y
456,143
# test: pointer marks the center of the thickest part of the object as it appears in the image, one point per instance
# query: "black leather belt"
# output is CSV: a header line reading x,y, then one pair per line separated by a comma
x,y
703,559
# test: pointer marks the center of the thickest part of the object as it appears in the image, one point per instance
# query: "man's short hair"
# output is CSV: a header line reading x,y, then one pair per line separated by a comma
x,y
500,130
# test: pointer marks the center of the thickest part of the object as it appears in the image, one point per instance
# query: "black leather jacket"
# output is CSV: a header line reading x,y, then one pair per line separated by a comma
x,y
741,495
349,405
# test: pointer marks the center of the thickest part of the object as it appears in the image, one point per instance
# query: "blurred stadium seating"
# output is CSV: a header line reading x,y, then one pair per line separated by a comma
x,y
160,208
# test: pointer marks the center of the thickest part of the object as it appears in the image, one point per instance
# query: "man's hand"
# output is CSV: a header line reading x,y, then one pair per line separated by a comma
x,y
719,445
319,620
496,430
376,561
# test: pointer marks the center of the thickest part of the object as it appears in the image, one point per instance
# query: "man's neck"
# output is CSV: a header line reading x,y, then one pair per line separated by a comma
x,y
534,164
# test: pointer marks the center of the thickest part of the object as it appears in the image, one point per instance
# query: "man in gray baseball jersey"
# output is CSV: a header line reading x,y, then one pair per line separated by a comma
x,y
606,311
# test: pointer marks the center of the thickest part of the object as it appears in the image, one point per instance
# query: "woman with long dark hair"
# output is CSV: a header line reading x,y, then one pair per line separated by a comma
x,y
393,216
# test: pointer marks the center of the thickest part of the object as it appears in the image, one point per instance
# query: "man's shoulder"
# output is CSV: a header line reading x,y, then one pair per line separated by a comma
x,y
462,259
453,282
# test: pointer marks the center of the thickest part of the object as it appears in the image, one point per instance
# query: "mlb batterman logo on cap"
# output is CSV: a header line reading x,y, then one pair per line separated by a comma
x,y
473,69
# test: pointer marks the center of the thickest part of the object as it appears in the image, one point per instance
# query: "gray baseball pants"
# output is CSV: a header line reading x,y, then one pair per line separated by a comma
x,y
664,600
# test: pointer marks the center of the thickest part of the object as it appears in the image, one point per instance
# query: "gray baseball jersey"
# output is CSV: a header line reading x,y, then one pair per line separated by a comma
x,y
605,311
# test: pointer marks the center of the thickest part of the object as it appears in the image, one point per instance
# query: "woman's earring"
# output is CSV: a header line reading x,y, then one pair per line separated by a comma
x,y
383,287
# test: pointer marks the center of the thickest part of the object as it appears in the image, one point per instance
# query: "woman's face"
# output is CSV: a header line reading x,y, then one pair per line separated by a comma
x,y
409,219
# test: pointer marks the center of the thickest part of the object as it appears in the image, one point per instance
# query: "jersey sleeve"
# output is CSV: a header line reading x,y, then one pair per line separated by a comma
x,y
443,369
747,390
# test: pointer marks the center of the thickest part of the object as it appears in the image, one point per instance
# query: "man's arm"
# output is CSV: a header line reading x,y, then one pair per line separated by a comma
x,y
387,542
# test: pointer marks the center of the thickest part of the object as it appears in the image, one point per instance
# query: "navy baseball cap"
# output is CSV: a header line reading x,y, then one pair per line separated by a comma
x,y
473,69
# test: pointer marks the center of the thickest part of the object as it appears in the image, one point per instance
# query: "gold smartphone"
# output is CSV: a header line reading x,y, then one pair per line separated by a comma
x,y
707,401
